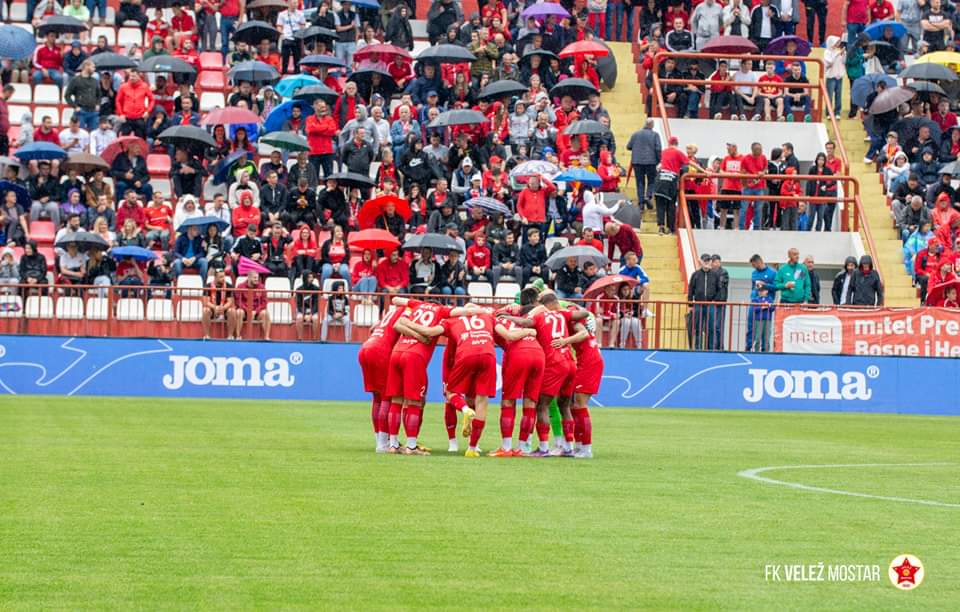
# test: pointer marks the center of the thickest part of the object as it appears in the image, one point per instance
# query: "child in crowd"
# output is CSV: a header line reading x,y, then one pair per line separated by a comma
x,y
762,312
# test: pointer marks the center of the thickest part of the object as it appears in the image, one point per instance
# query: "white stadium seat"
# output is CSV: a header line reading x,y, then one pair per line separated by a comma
x,y
65,116
160,309
97,308
189,311
22,93
18,12
46,94
130,309
69,307
162,186
210,100
278,288
129,36
329,283
187,283
480,290
548,245
39,112
17,112
507,290
11,307
366,315
107,31
280,312
39,307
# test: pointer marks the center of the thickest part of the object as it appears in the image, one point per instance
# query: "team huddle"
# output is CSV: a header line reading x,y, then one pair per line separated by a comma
x,y
551,363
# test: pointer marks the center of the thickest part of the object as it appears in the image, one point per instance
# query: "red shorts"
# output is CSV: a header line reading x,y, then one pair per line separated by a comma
x,y
407,377
474,375
374,373
558,379
587,378
523,376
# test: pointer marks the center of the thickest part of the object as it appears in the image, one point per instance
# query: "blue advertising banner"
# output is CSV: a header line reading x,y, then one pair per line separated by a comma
x,y
302,371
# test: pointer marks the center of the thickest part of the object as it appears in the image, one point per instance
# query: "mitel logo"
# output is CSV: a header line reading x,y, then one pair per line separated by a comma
x,y
231,371
819,334
809,384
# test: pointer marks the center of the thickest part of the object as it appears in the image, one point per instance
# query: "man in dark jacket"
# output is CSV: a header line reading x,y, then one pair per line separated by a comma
x,y
723,288
568,281
814,280
704,286
842,291
273,199
533,255
867,286
187,174
83,94
439,219
301,206
505,258
189,253
644,146
356,154
129,171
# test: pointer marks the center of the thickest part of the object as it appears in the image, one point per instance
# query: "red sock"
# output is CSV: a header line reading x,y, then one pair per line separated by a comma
x,y
578,423
543,431
457,401
412,417
587,437
383,416
508,415
476,431
393,418
450,420
375,413
527,420
568,427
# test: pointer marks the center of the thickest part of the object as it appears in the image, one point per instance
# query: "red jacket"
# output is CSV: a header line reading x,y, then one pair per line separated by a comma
x,y
533,204
362,269
51,136
392,275
627,240
134,100
241,217
45,57
320,133
478,256
125,212
310,247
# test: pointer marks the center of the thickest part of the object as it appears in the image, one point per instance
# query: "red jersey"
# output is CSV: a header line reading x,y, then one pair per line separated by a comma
x,y
734,165
588,353
553,325
673,160
383,336
754,164
473,334
428,315
770,91
881,11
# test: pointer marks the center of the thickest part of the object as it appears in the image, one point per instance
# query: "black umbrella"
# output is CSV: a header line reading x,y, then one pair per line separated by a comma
x,y
317,32
887,53
503,89
953,169
112,61
166,63
253,72
908,128
187,137
586,126
890,98
267,4
310,93
607,67
926,87
322,60
578,89
61,24
84,241
458,117
161,3
440,243
545,55
930,72
252,32
629,213
351,179
363,78
446,54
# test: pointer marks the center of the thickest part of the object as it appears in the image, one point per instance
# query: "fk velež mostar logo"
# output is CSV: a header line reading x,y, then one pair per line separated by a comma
x,y
906,572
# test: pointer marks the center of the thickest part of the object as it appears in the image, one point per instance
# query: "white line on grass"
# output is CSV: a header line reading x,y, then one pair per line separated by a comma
x,y
754,474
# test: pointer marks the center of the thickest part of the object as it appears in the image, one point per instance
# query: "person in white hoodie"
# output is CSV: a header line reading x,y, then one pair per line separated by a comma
x,y
594,212
736,19
835,59
705,22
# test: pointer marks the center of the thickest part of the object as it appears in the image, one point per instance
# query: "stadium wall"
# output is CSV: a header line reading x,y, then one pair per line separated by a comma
x,y
636,379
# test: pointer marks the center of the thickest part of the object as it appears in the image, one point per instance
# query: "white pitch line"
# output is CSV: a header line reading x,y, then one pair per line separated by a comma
x,y
753,474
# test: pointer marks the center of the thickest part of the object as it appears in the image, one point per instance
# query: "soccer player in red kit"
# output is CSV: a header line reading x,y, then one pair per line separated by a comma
x,y
454,402
586,383
374,353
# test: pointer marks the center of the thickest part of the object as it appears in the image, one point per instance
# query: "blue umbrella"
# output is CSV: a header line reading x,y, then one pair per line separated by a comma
x,y
866,85
40,150
203,222
282,113
579,175
289,85
875,30
222,169
16,43
488,204
370,4
23,196
138,253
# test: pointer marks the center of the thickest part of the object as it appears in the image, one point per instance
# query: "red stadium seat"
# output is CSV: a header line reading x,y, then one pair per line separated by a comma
x,y
43,232
211,80
211,60
47,251
158,164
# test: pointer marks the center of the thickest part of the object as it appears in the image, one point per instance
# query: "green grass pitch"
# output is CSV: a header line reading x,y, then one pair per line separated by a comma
x,y
150,504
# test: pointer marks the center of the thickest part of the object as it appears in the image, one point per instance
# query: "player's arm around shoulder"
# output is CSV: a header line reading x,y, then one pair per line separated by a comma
x,y
512,335
404,326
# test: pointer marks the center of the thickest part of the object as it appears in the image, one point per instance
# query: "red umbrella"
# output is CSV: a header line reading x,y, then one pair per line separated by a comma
x,y
121,144
938,292
584,47
730,44
371,51
602,283
373,239
374,208
231,115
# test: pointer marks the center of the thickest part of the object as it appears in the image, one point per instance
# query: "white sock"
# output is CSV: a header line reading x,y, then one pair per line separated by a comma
x,y
394,441
587,448
473,448
507,443
411,443
566,446
544,447
558,441
525,446
382,439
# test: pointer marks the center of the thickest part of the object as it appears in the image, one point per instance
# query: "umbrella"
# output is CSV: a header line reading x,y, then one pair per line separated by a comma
x,y
546,54
607,68
203,222
16,43
222,168
542,9
252,32
166,63
351,179
503,89
458,117
369,4
84,163
122,144
373,51
281,114
887,53
490,205
372,209
287,86
440,243
951,59
929,72
61,24
584,47
778,46
322,60
364,78
23,196
245,266
730,44
875,29
534,167
288,141
629,213
908,128
253,72
230,115
579,175
953,169
601,283
586,126
890,98
138,253
267,4
40,150
583,254
311,93
84,241
446,54
926,86
187,137
373,239
578,89
866,85
317,32
112,61
938,291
